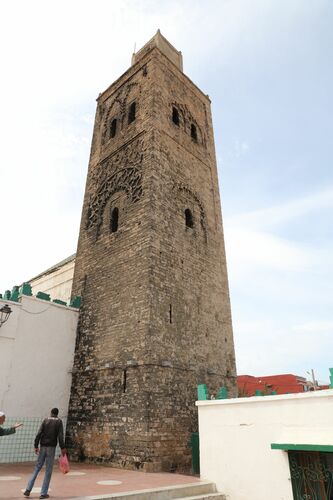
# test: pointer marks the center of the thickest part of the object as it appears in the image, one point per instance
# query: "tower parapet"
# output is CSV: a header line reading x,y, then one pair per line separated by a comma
x,y
159,41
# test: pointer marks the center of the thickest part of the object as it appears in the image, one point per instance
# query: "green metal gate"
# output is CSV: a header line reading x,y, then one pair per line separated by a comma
x,y
311,475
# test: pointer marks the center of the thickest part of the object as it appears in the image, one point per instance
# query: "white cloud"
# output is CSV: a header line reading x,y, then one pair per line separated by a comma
x,y
246,248
322,327
264,349
281,291
240,148
299,207
253,248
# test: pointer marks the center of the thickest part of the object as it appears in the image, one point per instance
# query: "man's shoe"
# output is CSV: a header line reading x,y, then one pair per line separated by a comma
x,y
26,493
44,496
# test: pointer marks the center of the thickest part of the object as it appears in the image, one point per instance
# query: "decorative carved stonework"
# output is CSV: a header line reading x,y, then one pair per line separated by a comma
x,y
130,155
121,98
128,179
188,119
120,172
188,192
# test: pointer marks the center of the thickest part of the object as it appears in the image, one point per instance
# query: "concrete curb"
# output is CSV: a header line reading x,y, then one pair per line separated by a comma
x,y
163,493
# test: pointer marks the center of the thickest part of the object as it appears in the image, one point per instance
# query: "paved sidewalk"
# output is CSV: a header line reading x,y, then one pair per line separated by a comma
x,y
83,480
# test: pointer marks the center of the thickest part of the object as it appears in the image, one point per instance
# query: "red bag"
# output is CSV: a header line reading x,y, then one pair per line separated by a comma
x,y
64,464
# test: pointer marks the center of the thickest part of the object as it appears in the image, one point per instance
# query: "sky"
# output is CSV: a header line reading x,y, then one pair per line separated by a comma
x,y
267,67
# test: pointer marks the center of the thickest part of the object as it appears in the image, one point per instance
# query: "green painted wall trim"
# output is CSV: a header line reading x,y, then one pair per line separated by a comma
x,y
43,296
61,302
75,302
17,292
14,296
202,392
302,447
26,289
222,393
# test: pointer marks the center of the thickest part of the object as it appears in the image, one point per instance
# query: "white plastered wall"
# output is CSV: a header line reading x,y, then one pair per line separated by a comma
x,y
57,283
236,436
36,357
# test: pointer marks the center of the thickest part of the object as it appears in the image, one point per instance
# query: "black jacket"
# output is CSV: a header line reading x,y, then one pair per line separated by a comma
x,y
50,432
5,432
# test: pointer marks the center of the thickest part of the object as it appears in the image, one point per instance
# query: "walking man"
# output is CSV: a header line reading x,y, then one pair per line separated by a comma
x,y
50,432
9,430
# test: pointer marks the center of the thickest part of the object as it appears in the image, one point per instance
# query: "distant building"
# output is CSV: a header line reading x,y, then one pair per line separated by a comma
x,y
56,281
36,357
279,384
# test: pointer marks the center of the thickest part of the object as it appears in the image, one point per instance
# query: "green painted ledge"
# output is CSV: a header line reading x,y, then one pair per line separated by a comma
x,y
302,447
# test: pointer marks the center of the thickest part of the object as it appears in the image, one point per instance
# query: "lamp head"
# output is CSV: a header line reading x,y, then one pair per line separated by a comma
x,y
5,312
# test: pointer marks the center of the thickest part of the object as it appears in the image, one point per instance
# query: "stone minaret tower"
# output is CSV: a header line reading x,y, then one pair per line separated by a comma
x,y
151,270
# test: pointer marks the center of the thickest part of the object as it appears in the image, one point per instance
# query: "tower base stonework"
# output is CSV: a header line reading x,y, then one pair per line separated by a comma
x,y
148,428
155,319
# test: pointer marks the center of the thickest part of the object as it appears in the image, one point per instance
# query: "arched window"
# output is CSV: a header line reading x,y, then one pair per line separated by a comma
x,y
113,129
114,220
194,134
188,218
131,112
175,116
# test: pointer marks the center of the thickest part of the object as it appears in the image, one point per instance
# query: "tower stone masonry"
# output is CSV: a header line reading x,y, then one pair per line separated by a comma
x,y
151,270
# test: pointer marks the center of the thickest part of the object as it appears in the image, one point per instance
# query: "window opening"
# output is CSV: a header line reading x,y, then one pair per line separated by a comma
x,y
170,314
175,116
114,220
113,127
194,134
124,380
131,112
188,218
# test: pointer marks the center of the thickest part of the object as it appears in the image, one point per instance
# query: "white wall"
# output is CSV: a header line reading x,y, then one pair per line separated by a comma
x,y
36,357
7,340
236,434
57,283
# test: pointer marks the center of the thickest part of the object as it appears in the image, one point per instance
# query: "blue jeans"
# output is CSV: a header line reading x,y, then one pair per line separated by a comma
x,y
46,454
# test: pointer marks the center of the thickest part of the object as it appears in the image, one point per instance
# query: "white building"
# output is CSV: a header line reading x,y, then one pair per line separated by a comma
x,y
269,448
36,357
56,281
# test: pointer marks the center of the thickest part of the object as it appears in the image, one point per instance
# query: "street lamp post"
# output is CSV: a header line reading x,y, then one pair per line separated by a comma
x,y
314,382
5,312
